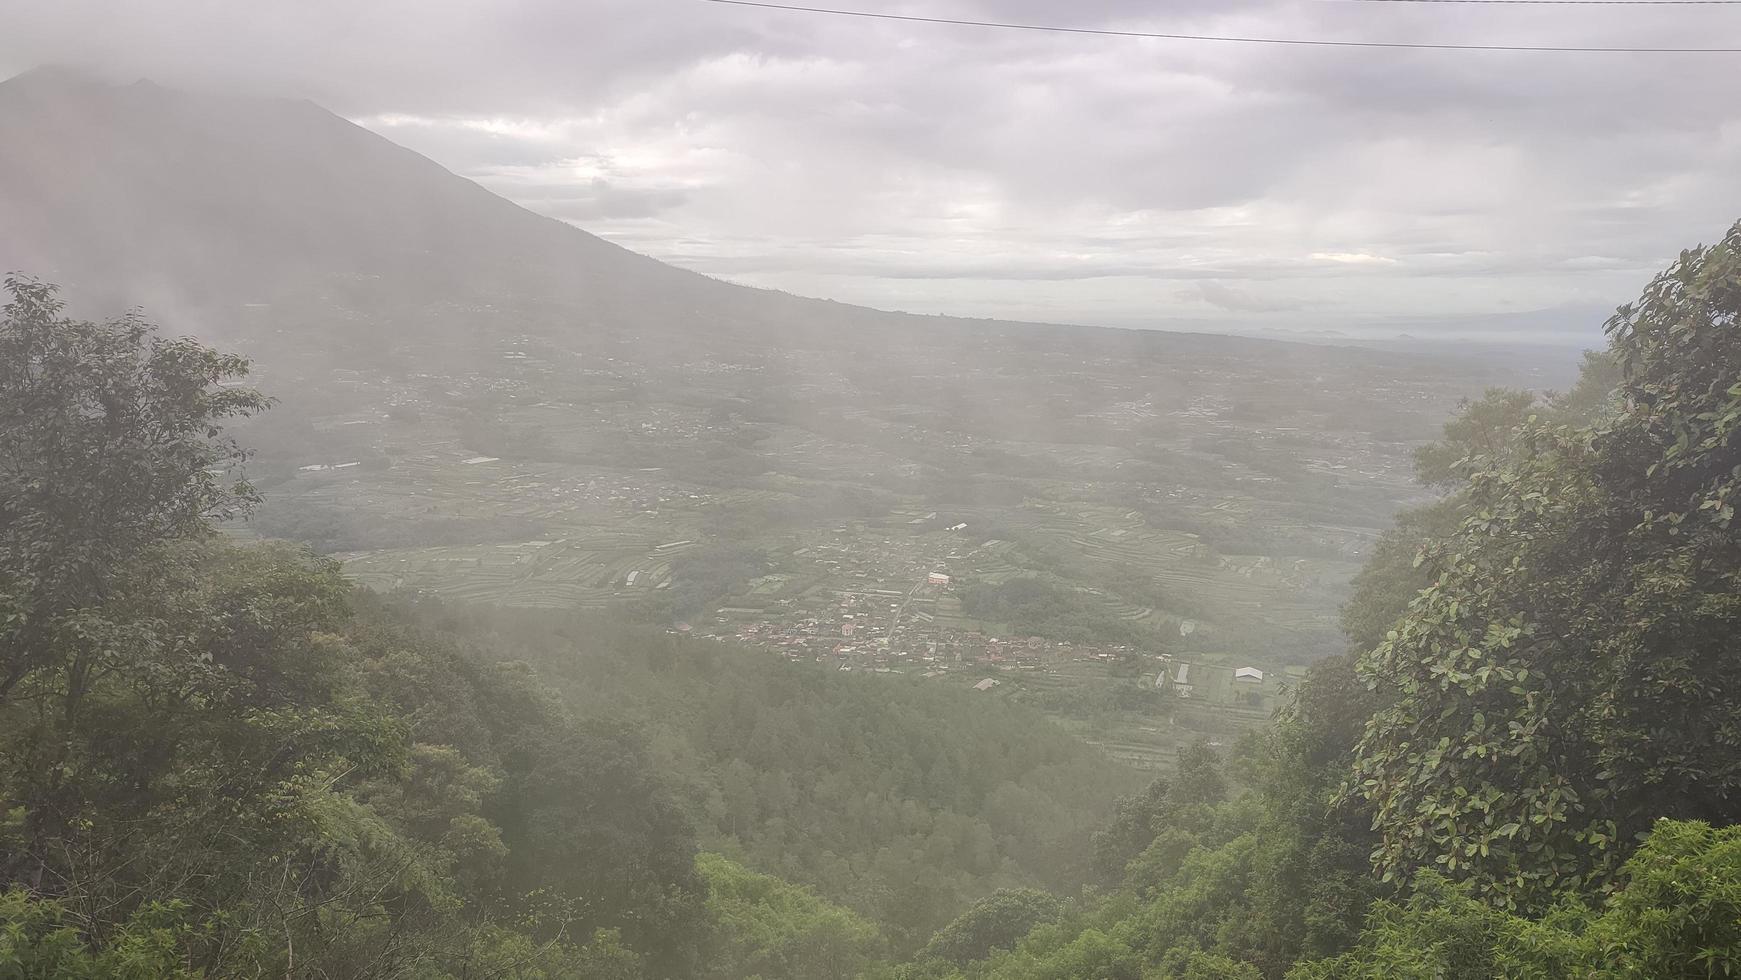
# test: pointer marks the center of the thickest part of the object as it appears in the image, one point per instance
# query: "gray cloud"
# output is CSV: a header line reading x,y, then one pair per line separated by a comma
x,y
1022,174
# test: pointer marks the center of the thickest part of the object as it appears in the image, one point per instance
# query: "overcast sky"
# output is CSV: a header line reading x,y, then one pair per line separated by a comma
x,y
1246,187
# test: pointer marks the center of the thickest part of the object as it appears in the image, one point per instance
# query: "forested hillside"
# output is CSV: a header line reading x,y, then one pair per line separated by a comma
x,y
902,799
221,760
213,768
1525,766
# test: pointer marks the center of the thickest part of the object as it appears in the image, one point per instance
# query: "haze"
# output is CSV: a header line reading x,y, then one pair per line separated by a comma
x,y
690,490
1225,187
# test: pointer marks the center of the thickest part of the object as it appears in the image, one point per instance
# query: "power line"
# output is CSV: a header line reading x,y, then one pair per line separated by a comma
x,y
1103,32
1585,3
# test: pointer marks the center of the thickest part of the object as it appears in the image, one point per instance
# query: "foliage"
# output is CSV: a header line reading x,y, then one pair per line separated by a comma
x,y
39,941
225,752
1598,377
109,443
1440,931
212,766
1566,678
314,790
901,799
1482,429
1391,577
1551,641
1678,916
499,769
768,928
1218,885
1182,802
994,922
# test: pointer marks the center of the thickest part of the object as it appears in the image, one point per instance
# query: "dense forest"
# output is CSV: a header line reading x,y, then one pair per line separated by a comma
x,y
220,759
900,798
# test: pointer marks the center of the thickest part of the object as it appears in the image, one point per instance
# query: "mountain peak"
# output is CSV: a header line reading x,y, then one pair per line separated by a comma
x,y
139,193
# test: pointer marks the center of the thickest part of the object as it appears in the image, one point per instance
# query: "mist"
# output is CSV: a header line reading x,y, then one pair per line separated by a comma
x,y
697,490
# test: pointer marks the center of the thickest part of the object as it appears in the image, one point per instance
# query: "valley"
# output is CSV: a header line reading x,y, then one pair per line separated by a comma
x,y
1074,522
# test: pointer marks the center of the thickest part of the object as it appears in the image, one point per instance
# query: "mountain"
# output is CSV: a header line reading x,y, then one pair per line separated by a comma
x,y
241,217
218,212
198,203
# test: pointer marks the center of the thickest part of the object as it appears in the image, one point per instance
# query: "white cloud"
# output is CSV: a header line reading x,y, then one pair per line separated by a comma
x,y
1353,258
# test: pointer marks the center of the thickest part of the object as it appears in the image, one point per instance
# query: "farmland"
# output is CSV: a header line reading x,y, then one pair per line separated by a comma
x,y
1073,525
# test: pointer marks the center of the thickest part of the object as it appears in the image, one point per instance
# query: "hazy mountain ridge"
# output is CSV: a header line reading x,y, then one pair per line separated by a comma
x,y
182,200
235,216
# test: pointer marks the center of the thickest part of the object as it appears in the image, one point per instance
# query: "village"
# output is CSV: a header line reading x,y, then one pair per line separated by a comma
x,y
888,631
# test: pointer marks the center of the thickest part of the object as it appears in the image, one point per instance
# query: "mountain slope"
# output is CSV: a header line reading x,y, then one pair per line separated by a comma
x,y
178,200
237,217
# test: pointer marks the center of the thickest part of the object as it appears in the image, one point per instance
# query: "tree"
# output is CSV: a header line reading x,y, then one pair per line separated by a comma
x,y
1440,931
764,927
209,762
1180,802
1679,914
995,922
207,759
109,444
1677,918
1570,674
1481,429
1391,577
42,941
